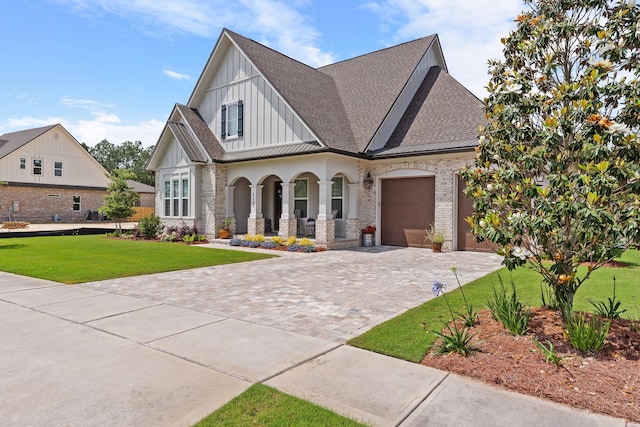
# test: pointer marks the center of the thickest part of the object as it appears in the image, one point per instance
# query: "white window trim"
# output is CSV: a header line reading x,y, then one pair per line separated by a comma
x,y
79,203
341,197
33,167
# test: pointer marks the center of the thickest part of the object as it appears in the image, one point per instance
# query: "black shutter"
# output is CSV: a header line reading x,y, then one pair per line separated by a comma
x,y
223,124
240,116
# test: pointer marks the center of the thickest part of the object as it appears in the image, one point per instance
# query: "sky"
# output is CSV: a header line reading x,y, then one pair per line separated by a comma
x,y
113,69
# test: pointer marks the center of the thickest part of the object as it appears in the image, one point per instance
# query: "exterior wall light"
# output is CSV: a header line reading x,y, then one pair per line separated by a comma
x,y
368,181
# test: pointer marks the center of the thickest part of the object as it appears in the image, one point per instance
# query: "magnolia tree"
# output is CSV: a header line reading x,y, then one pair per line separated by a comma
x,y
556,180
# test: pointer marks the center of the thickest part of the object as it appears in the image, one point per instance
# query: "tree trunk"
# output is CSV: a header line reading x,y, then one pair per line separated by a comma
x,y
564,296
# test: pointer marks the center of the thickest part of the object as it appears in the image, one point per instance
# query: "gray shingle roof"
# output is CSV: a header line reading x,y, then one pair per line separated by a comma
x,y
311,93
188,144
10,142
202,131
345,103
443,115
370,84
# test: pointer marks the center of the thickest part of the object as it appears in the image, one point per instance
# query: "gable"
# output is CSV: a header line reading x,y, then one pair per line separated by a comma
x,y
268,119
55,145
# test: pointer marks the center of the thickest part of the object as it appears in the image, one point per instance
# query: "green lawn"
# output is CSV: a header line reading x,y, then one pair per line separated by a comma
x,y
404,336
264,406
77,259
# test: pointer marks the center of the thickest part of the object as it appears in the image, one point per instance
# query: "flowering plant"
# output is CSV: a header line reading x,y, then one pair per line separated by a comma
x,y
369,229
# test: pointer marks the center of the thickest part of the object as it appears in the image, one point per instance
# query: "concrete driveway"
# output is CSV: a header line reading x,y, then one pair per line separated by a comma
x,y
167,349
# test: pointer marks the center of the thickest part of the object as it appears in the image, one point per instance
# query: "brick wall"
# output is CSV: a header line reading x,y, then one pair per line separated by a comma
x,y
40,204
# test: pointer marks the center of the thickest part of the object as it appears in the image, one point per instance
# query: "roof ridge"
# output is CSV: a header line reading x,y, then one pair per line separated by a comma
x,y
378,51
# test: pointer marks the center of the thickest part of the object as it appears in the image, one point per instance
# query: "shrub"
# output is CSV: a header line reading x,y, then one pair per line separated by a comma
x,y
306,242
259,238
150,226
235,242
278,240
307,248
550,353
587,337
508,310
294,247
169,236
458,340
269,245
611,308
291,240
190,238
201,238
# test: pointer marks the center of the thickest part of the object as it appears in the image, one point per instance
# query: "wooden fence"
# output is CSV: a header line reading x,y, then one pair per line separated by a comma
x,y
141,212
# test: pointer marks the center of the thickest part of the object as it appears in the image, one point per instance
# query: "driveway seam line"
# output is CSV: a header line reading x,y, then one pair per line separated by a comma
x,y
423,400
309,359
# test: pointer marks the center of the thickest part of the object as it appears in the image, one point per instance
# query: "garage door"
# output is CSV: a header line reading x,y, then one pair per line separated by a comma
x,y
407,210
466,241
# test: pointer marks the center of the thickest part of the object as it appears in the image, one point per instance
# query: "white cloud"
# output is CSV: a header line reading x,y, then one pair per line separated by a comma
x,y
176,75
92,131
469,31
277,23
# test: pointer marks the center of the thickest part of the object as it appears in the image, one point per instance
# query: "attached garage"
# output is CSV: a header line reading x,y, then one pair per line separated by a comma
x,y
407,210
466,241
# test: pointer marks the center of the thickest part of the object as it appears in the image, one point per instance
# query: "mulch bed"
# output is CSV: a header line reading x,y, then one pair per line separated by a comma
x,y
607,383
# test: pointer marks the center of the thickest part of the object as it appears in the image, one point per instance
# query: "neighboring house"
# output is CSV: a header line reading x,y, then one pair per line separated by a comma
x,y
272,143
50,177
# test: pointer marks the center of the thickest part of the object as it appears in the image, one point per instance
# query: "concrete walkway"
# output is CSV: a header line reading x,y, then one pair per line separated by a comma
x,y
167,349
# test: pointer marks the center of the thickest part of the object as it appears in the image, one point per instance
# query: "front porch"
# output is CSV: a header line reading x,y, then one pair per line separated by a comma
x,y
317,203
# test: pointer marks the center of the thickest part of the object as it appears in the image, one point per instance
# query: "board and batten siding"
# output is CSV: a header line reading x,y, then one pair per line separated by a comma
x,y
267,119
78,167
433,57
174,156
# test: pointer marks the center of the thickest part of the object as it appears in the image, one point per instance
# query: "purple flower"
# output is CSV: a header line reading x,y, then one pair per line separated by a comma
x,y
438,288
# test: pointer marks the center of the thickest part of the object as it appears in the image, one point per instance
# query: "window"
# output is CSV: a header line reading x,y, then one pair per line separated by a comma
x,y
23,163
337,195
76,204
300,194
167,198
37,166
185,197
232,120
176,197
57,168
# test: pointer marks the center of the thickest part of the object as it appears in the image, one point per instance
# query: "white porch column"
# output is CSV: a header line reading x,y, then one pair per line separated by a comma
x,y
256,201
324,200
255,223
288,221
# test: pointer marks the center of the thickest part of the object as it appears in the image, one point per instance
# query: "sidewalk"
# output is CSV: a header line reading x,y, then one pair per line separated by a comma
x,y
78,356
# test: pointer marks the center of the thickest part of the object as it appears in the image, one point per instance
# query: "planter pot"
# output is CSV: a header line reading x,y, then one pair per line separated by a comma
x,y
224,234
436,247
368,240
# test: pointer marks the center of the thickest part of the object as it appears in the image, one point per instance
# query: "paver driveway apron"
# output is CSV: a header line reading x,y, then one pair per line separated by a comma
x,y
332,295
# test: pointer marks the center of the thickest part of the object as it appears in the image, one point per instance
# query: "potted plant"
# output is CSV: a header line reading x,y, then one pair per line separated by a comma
x,y
369,236
224,232
436,237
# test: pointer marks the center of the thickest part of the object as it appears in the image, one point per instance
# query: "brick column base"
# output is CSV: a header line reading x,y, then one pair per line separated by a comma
x,y
255,226
325,231
288,227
